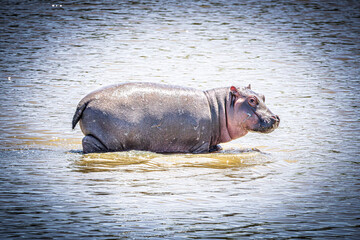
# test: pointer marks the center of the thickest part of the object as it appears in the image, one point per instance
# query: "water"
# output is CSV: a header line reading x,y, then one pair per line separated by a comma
x,y
301,181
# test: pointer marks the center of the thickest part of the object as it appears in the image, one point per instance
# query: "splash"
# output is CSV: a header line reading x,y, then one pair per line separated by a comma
x,y
229,157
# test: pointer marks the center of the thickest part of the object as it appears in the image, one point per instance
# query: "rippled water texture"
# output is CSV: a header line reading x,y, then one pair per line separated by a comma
x,y
301,181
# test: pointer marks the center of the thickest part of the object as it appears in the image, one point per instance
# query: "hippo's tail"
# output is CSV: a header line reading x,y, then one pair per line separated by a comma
x,y
79,110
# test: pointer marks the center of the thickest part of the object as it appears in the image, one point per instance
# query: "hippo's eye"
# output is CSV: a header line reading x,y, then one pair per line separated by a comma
x,y
253,101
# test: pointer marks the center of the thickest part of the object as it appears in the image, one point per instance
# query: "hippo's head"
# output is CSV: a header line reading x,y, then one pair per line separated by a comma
x,y
246,111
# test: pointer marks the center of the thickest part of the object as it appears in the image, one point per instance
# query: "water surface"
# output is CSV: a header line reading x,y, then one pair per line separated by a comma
x,y
301,181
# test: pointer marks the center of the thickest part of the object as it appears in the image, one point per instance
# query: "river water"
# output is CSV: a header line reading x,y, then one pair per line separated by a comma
x,y
301,181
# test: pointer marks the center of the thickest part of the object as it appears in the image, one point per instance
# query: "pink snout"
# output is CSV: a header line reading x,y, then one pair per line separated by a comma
x,y
275,118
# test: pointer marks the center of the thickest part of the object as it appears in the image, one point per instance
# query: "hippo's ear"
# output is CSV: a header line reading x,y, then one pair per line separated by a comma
x,y
234,90
249,87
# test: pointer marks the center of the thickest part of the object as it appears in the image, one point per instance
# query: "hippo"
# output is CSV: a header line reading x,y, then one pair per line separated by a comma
x,y
169,119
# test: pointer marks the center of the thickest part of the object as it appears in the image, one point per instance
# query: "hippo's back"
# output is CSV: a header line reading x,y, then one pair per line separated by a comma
x,y
147,116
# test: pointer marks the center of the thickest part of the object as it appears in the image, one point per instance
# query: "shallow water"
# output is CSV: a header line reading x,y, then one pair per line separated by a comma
x,y
301,181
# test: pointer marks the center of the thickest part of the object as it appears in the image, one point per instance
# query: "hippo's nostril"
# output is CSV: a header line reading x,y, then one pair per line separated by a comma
x,y
276,118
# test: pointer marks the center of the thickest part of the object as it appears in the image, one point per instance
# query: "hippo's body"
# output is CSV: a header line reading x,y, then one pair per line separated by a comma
x,y
154,117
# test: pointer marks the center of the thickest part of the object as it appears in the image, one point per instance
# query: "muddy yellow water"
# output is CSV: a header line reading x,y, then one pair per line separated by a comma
x,y
154,161
301,181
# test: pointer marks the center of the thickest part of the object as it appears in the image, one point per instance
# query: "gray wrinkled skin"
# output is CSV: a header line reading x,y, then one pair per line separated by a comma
x,y
154,117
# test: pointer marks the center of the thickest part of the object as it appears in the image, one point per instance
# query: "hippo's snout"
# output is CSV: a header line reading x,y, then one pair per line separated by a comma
x,y
270,124
276,120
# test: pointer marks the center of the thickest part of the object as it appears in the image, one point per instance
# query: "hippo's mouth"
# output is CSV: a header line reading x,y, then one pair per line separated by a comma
x,y
265,125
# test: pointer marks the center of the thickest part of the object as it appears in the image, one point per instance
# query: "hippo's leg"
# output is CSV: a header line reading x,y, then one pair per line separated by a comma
x,y
215,148
91,145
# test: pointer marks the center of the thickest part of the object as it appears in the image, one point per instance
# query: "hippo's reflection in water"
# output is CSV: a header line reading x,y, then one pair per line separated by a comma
x,y
229,157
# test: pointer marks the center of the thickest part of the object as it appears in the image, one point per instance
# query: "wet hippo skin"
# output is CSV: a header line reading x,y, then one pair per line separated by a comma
x,y
169,119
